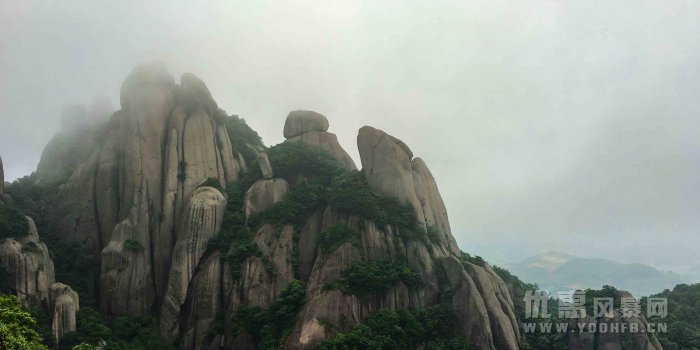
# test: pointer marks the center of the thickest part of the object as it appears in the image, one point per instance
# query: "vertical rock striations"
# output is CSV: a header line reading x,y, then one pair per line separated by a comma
x,y
151,195
64,306
30,277
128,198
386,162
29,267
202,220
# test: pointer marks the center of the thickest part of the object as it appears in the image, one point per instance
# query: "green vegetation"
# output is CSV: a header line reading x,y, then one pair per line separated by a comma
x,y
368,277
517,289
683,317
30,247
302,200
295,160
212,182
132,245
136,333
12,222
433,328
270,327
77,266
75,263
31,198
310,169
476,260
4,283
530,340
318,181
43,324
351,194
234,239
17,327
241,136
124,333
434,234
90,329
333,237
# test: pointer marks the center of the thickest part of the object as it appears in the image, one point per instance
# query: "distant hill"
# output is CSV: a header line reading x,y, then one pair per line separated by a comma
x,y
556,271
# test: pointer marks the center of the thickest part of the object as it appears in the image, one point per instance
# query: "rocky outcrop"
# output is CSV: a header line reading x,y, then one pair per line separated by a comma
x,y
64,305
299,122
386,162
134,188
146,198
203,305
498,305
391,170
265,168
201,222
483,307
311,128
263,194
30,277
431,204
30,271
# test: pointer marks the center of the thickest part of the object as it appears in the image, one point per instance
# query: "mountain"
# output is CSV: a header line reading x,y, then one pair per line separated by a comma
x,y
181,228
555,271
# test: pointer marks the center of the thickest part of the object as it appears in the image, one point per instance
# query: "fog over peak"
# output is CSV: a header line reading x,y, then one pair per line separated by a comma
x,y
569,126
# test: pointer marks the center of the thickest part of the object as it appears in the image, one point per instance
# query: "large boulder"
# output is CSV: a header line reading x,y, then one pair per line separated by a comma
x,y
29,268
265,167
64,307
311,128
30,277
299,122
386,162
263,194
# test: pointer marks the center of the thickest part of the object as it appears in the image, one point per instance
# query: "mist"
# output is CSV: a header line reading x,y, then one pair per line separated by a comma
x,y
569,125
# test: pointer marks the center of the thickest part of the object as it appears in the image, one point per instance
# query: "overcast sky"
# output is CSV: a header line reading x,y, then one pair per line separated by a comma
x,y
549,125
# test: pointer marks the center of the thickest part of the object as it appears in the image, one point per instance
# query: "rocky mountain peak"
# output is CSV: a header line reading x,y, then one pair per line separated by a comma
x,y
192,216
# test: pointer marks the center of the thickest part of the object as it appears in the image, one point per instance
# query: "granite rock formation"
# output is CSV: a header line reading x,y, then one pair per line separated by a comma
x,y
30,277
312,128
155,191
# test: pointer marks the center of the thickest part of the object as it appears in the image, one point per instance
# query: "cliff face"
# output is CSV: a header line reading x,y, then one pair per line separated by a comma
x,y
129,197
28,265
30,276
166,178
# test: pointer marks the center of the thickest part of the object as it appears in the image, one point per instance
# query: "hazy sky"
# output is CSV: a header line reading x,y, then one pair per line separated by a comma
x,y
564,125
